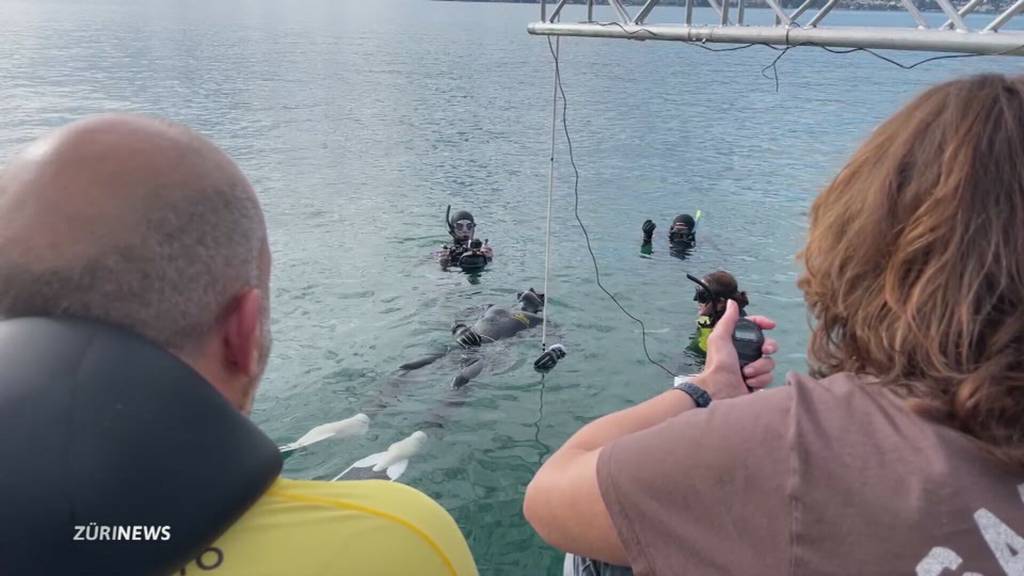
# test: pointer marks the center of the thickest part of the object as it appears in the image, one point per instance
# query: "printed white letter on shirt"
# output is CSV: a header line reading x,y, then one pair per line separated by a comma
x,y
1006,544
938,560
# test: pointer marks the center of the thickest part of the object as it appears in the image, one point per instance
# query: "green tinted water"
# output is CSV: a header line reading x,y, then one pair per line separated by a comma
x,y
359,122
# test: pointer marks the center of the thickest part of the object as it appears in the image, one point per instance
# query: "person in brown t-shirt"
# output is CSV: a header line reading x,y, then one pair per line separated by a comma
x,y
904,453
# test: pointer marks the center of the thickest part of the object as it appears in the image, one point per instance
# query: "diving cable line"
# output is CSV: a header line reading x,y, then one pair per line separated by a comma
x,y
559,89
547,250
551,191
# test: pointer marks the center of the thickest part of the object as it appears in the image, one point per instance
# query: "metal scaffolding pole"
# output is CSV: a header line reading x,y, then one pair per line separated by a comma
x,y
964,11
1005,17
953,36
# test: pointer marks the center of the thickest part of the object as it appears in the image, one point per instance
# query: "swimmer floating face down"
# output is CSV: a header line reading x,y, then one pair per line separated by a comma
x,y
496,323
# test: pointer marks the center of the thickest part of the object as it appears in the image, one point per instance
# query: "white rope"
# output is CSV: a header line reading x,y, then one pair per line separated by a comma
x,y
551,191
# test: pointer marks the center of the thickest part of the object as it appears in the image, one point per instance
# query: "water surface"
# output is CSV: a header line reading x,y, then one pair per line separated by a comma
x,y
358,122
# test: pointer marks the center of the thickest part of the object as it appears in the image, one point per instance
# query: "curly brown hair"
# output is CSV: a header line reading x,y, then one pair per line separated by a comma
x,y
914,264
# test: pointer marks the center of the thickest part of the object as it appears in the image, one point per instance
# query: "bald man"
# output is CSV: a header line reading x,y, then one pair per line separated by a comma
x,y
146,225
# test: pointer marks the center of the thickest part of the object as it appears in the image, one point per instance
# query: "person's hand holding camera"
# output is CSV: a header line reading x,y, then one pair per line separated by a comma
x,y
722,376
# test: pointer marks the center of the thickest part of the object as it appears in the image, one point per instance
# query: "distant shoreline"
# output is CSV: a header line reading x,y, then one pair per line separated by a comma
x,y
987,7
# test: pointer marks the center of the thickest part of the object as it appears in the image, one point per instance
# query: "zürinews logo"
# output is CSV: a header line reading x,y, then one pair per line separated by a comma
x,y
93,532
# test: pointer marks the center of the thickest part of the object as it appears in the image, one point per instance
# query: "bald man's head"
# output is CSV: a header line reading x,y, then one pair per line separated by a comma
x,y
132,221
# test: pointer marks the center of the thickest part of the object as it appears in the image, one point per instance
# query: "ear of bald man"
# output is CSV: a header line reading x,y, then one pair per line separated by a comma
x,y
233,357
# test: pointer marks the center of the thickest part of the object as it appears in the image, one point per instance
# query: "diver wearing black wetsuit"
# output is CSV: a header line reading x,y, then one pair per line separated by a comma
x,y
682,236
496,323
466,252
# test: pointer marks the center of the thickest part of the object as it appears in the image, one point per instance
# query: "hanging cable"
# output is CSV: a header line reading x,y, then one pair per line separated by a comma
x,y
560,90
576,212
551,191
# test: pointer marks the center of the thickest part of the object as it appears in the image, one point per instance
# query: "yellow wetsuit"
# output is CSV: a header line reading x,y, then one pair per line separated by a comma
x,y
368,527
704,328
705,325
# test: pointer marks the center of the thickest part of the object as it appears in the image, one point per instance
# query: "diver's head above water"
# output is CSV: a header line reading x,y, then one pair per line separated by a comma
x,y
718,287
530,301
682,229
462,226
684,220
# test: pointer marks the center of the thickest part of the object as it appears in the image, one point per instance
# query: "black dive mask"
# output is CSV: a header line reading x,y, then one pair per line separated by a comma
x,y
703,294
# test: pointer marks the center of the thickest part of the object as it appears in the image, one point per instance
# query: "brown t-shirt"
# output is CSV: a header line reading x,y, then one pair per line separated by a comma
x,y
817,477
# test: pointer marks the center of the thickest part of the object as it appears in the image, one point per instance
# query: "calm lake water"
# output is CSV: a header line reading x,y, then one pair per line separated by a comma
x,y
358,122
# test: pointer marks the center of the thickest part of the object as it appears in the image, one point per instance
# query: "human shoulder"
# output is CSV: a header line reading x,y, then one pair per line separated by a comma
x,y
373,495
390,503
869,423
844,393
304,527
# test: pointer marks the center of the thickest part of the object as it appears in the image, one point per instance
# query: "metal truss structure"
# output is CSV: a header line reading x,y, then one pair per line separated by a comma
x,y
802,26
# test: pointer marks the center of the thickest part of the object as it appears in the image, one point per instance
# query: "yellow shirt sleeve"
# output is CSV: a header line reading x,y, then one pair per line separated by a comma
x,y
370,527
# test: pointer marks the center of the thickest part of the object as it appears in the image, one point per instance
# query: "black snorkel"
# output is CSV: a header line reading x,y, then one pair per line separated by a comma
x,y
746,336
448,221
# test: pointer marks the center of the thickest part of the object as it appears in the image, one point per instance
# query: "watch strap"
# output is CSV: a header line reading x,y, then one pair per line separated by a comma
x,y
700,396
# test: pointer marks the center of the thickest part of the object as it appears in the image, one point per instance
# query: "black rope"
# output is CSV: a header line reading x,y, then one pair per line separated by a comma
x,y
576,212
536,424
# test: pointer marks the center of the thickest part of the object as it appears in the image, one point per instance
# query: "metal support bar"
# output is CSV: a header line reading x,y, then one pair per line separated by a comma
x,y
717,8
915,13
878,38
689,12
778,12
963,12
725,12
645,11
822,13
557,11
952,13
739,12
803,8
1005,17
590,10
621,10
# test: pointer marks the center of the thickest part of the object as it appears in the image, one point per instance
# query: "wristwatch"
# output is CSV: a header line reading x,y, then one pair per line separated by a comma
x,y
685,384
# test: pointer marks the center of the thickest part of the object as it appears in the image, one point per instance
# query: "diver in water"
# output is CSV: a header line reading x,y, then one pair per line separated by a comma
x,y
495,324
711,295
465,252
498,322
682,235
